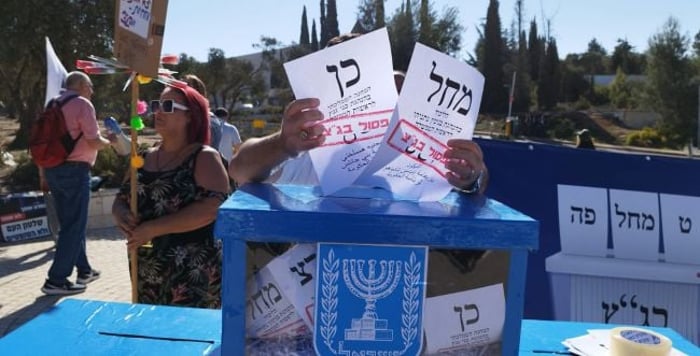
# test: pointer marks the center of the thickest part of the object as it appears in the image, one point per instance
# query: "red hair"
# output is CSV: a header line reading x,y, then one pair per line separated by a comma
x,y
198,128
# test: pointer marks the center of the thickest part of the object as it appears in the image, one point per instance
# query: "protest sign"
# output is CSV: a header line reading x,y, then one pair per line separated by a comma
x,y
139,26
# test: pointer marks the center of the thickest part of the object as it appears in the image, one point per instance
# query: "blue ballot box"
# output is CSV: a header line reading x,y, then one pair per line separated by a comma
x,y
264,213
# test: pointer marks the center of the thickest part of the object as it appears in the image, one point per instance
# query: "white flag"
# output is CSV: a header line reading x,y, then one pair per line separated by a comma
x,y
55,73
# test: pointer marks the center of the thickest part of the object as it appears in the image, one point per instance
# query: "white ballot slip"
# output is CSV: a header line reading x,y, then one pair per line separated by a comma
x,y
465,319
294,271
269,312
439,100
354,82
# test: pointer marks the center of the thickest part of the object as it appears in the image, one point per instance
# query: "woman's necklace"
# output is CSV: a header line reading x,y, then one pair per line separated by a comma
x,y
169,162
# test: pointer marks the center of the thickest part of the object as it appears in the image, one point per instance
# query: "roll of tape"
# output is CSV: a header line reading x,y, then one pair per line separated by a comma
x,y
628,341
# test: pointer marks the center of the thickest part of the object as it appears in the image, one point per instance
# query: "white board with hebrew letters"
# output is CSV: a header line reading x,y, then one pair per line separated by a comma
x,y
583,220
680,219
634,219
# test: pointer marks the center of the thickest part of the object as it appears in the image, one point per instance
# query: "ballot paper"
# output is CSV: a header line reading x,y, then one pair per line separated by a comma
x,y
440,100
375,138
354,82
464,320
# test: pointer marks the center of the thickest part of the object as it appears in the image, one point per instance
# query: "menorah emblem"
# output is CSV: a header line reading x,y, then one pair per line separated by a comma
x,y
371,288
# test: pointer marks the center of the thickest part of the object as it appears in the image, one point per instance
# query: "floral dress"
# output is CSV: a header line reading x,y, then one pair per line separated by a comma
x,y
182,269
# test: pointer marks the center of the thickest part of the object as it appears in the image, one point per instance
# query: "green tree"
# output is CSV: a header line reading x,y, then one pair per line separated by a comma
x,y
332,20
535,50
324,28
403,36
620,90
670,89
370,14
304,36
574,82
76,28
314,36
696,44
594,60
214,75
426,21
494,99
625,58
550,77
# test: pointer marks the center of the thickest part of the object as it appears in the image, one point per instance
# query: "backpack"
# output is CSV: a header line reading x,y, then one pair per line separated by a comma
x,y
50,142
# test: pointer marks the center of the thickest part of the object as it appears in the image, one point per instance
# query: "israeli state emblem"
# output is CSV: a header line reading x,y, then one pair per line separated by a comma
x,y
369,299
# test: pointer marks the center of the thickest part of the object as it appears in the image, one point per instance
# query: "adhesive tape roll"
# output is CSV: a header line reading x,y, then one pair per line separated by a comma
x,y
628,341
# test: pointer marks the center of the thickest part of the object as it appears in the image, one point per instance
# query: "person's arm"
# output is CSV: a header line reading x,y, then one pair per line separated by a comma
x,y
98,143
300,131
210,174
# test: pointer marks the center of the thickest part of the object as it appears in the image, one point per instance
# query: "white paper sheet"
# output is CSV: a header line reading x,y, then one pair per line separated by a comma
x,y
465,319
583,220
355,84
635,219
681,228
440,100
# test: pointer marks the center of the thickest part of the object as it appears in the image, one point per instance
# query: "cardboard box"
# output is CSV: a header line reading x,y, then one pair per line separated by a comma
x,y
139,26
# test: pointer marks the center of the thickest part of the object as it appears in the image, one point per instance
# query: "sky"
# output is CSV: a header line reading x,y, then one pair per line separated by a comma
x,y
193,27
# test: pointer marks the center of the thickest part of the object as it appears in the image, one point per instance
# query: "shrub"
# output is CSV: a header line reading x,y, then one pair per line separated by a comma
x,y
647,137
562,128
25,176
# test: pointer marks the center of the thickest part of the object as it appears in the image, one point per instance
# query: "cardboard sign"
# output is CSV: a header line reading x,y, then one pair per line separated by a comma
x,y
23,217
139,26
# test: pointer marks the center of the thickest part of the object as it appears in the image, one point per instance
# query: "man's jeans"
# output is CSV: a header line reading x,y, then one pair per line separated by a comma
x,y
69,184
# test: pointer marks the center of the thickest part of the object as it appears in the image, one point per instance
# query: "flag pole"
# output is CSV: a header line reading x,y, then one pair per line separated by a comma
x,y
133,258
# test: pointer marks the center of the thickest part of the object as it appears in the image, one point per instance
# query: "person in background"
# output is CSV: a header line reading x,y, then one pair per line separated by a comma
x,y
215,123
584,140
180,187
69,186
230,138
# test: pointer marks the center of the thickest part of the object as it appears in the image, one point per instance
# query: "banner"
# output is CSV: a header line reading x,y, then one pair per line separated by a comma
x,y
23,217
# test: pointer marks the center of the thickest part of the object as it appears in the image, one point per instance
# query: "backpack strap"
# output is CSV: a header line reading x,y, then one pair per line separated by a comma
x,y
65,101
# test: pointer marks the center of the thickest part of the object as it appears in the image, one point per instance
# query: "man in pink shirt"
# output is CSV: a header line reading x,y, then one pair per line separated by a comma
x,y
69,184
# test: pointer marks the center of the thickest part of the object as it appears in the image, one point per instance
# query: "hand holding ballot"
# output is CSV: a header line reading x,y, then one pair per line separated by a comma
x,y
301,127
348,126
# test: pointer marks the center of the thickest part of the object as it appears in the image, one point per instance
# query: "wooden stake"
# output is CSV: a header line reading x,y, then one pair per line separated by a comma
x,y
133,255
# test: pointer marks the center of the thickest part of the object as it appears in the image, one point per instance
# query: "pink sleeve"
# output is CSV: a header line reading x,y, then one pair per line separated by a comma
x,y
87,120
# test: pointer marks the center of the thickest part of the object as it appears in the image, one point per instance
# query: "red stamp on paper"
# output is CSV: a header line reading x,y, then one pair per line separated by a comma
x,y
414,143
348,129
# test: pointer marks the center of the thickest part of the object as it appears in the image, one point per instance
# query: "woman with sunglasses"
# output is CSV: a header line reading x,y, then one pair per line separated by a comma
x,y
180,187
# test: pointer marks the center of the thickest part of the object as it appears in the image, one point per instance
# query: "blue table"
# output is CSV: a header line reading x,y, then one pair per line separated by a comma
x,y
287,213
87,327
540,337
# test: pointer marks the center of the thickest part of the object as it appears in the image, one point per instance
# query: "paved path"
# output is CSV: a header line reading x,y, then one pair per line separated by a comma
x,y
23,269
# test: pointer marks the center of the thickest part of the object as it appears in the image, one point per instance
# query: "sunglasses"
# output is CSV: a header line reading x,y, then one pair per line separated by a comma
x,y
167,106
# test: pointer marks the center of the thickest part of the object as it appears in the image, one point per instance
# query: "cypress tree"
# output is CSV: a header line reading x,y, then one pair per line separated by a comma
x,y
314,36
403,36
324,31
332,20
425,27
379,20
534,51
495,94
304,37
